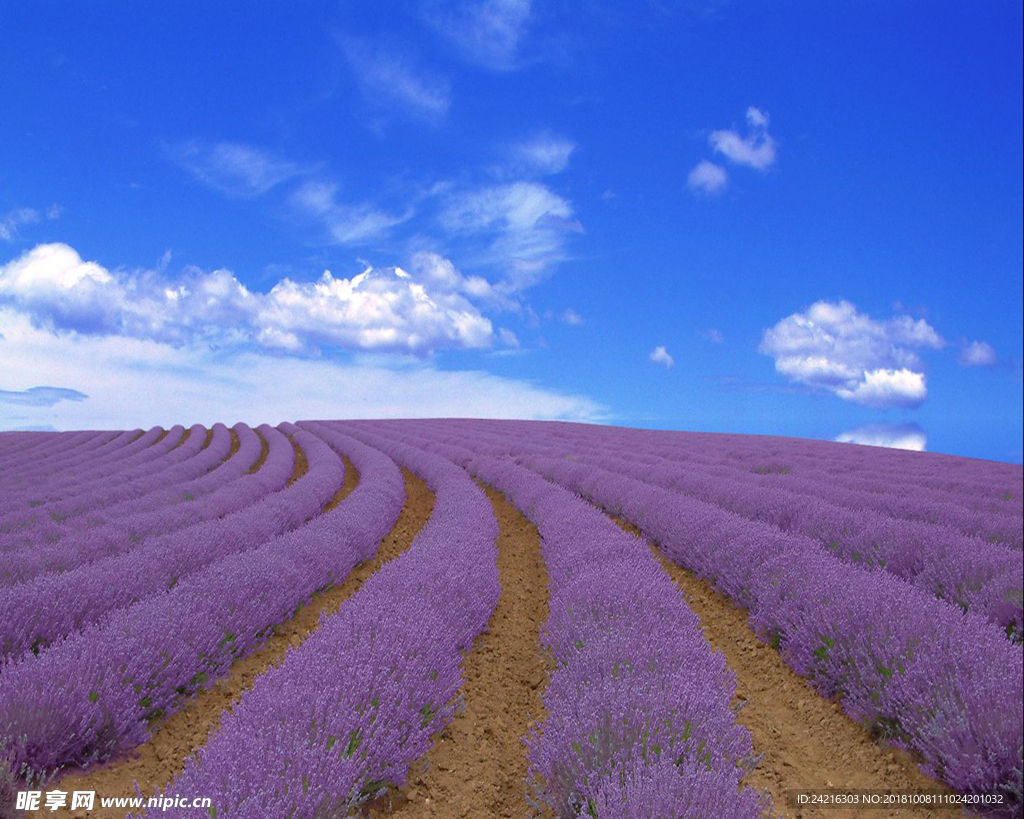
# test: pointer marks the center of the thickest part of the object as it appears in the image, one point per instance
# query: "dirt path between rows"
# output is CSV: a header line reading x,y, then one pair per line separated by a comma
x,y
805,740
154,764
477,766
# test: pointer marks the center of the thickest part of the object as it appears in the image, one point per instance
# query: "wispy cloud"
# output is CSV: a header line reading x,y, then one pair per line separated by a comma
x,y
344,223
707,178
389,80
545,154
40,396
234,169
893,436
486,32
380,309
525,224
571,317
977,354
712,335
15,219
833,347
659,355
755,150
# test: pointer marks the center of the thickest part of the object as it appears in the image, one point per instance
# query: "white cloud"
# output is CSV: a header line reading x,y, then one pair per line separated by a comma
x,y
756,150
546,154
486,32
344,223
659,355
15,219
978,354
707,178
712,335
831,346
140,382
571,317
383,309
388,79
233,168
527,226
894,436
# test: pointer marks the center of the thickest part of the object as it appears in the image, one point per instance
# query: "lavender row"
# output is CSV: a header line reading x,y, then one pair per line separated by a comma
x,y
31,466
996,489
977,509
967,572
21,474
143,456
309,741
57,497
90,510
38,612
639,716
93,694
919,672
38,447
229,490
953,476
111,456
913,504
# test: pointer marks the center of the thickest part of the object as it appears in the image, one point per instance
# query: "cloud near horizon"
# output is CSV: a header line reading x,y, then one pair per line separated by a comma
x,y
831,346
141,382
40,396
893,436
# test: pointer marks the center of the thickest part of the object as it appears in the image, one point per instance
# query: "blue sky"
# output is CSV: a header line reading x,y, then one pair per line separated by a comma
x,y
799,219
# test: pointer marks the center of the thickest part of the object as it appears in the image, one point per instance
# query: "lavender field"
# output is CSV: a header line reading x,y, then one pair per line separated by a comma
x,y
500,618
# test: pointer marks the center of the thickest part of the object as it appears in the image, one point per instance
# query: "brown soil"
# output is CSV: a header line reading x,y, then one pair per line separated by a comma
x,y
301,462
350,483
805,741
477,765
264,451
185,436
154,764
163,434
207,439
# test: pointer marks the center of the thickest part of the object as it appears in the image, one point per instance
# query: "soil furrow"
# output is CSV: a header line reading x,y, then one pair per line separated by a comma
x,y
154,764
805,741
301,462
264,452
477,765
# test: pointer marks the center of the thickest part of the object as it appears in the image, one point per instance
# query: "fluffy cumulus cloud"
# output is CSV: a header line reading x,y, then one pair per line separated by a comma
x,y
380,309
894,436
525,224
140,382
977,354
756,149
486,32
659,355
233,168
707,178
833,347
